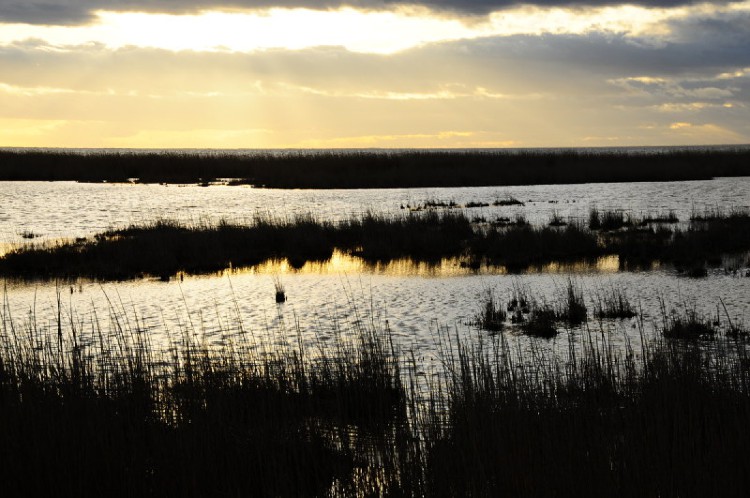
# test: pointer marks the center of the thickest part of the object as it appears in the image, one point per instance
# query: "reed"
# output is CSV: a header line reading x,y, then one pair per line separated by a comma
x,y
613,303
492,317
94,408
165,248
374,169
670,217
608,220
572,308
556,220
118,417
667,421
688,326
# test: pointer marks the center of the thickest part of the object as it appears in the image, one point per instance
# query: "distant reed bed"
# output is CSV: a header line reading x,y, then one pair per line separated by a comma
x,y
375,169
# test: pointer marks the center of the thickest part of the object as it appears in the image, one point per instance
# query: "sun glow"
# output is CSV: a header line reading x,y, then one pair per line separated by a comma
x,y
290,29
355,30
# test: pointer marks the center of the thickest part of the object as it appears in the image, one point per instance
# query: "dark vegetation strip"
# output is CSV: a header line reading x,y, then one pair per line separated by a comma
x,y
165,248
375,169
601,424
116,417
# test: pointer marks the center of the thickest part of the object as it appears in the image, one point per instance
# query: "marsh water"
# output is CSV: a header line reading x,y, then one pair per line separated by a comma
x,y
52,210
416,302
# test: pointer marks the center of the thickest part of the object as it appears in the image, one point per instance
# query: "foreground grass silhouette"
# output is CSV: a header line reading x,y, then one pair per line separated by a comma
x,y
102,412
375,169
165,248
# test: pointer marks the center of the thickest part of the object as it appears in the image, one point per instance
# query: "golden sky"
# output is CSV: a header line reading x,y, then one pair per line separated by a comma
x,y
443,73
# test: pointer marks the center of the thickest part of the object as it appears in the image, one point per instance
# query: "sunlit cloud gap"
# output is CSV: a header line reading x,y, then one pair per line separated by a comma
x,y
384,32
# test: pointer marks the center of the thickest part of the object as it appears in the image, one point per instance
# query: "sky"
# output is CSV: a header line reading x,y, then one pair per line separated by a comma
x,y
373,73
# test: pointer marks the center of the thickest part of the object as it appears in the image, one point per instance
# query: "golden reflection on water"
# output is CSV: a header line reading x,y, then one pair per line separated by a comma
x,y
341,262
604,264
6,247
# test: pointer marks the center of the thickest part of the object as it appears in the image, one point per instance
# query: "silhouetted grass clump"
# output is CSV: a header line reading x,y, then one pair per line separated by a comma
x,y
533,317
504,221
718,214
556,220
613,304
507,201
572,309
165,248
700,245
540,322
493,316
608,220
120,418
429,236
670,218
280,292
687,326
103,412
374,169
436,204
602,423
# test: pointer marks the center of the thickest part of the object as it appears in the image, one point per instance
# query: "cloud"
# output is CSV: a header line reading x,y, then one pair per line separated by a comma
x,y
550,90
64,12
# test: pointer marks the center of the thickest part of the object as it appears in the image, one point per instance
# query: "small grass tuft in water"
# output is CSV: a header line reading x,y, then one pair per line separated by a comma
x,y
670,217
280,291
613,303
557,221
540,322
573,307
608,220
492,317
508,201
688,326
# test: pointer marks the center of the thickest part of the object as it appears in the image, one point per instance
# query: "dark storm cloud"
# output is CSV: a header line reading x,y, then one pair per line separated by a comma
x,y
80,11
64,12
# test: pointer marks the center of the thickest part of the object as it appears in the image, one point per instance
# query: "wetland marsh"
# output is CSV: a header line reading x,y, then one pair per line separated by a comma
x,y
441,341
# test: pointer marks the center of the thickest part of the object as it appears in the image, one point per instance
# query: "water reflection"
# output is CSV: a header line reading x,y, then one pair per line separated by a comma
x,y
6,247
604,264
342,263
